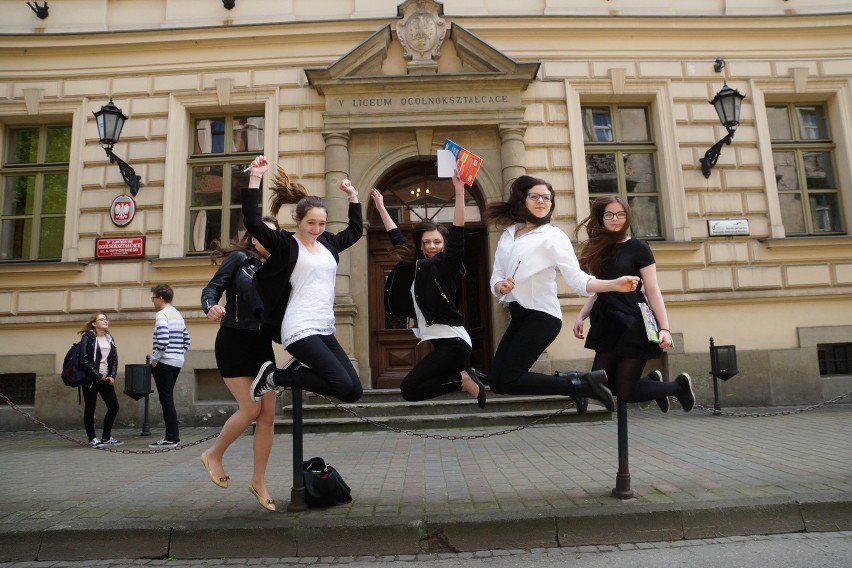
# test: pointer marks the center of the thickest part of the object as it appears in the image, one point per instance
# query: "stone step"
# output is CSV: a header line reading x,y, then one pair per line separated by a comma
x,y
386,409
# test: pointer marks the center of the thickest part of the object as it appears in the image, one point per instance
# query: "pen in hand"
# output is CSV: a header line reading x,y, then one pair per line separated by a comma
x,y
516,269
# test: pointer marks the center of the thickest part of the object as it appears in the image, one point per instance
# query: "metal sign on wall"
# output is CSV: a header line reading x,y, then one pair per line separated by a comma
x,y
120,247
727,227
122,210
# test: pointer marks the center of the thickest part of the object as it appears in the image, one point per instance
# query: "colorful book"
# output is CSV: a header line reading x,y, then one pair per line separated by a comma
x,y
652,328
467,163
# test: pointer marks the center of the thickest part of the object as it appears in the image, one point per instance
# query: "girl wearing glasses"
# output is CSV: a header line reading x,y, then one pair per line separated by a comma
x,y
99,358
617,333
241,348
528,255
423,287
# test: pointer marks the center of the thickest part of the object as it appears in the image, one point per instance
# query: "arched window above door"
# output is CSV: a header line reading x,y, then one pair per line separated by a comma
x,y
414,193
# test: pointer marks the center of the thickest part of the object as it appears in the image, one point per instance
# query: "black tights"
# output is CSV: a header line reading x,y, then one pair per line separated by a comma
x,y
625,378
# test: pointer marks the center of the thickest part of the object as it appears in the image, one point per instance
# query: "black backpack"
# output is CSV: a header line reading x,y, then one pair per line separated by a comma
x,y
72,374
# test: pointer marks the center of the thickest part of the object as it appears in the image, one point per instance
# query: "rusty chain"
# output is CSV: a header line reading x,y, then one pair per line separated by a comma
x,y
52,430
775,413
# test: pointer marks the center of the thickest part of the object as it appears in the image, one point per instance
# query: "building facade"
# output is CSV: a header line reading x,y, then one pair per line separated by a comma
x,y
594,96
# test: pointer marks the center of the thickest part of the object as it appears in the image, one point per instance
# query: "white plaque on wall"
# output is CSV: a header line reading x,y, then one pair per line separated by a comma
x,y
727,227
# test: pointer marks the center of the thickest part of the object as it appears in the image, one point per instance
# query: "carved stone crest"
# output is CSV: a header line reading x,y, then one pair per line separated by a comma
x,y
421,33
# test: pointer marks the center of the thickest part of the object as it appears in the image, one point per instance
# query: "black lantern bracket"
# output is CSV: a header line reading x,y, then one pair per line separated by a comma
x,y
110,120
727,103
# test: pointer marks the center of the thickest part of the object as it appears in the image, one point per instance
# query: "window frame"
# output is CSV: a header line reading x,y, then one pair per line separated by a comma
x,y
798,145
39,170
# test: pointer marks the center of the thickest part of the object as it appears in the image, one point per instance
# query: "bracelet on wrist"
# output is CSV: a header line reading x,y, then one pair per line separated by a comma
x,y
664,329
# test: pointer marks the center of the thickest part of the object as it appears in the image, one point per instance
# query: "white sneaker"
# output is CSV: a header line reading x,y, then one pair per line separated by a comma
x,y
163,444
95,442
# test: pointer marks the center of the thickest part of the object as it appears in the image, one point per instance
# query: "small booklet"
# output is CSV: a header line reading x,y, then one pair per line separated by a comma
x,y
467,163
651,326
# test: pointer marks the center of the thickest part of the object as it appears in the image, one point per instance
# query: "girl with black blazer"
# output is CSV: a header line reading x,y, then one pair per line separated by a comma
x,y
99,358
296,286
423,287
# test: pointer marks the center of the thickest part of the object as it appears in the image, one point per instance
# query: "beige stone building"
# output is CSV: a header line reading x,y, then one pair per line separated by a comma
x,y
595,96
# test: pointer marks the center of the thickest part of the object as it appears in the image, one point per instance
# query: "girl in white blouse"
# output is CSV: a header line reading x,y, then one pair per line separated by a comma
x,y
528,254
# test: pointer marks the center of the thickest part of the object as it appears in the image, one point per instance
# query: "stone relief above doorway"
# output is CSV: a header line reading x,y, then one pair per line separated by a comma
x,y
421,33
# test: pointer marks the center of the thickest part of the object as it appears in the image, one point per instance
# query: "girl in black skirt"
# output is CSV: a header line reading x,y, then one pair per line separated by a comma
x,y
617,333
242,346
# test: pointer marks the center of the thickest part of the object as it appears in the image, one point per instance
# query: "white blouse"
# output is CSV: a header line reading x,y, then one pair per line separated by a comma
x,y
532,259
310,309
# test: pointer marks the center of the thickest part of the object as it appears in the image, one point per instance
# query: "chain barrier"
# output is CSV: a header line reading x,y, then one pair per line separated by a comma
x,y
424,435
712,410
52,430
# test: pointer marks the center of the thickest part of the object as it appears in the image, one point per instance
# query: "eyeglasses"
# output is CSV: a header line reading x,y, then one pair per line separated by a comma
x,y
545,197
609,215
102,319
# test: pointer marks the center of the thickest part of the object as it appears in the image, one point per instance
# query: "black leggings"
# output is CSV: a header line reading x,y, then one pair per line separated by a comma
x,y
529,333
90,396
331,372
625,378
437,373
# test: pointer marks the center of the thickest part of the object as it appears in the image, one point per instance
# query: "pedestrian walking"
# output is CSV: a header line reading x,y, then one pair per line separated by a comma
x,y
296,286
423,287
99,359
242,346
171,341
617,332
528,254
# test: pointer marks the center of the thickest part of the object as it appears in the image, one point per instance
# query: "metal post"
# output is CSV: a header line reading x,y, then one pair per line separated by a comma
x,y
622,479
146,427
297,492
714,365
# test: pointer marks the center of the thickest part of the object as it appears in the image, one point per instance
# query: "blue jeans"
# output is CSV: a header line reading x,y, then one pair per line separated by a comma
x,y
331,372
165,376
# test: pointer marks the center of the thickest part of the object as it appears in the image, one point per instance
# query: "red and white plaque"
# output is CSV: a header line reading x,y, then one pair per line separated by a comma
x,y
120,247
122,210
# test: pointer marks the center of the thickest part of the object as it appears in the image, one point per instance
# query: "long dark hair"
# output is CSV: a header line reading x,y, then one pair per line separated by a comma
x,y
602,241
515,210
286,192
238,243
410,253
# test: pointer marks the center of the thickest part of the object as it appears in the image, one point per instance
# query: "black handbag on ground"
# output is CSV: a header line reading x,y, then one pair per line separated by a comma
x,y
324,486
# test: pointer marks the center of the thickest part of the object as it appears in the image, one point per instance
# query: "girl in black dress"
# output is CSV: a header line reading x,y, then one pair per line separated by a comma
x,y
617,333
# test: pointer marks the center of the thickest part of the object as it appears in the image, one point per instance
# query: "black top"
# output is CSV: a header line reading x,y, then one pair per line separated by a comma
x,y
234,279
90,358
616,323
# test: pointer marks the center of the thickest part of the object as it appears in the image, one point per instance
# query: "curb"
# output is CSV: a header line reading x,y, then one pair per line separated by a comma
x,y
317,537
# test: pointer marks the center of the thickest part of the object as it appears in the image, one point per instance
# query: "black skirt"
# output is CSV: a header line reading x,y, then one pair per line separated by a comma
x,y
241,352
614,331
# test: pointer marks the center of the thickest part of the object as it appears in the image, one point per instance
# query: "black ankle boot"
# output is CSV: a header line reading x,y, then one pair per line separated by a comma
x,y
589,385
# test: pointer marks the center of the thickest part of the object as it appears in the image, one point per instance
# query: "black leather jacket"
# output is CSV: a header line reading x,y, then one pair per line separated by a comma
x,y
435,282
90,358
234,279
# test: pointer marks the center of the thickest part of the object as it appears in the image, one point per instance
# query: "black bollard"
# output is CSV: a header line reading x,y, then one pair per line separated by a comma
x,y
622,478
297,492
714,364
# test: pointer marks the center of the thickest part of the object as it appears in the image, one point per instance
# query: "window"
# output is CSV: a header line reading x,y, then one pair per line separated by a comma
x,y
803,154
33,190
223,146
834,358
621,160
19,387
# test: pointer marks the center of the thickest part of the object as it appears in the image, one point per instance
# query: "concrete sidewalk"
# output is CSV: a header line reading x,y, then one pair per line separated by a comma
x,y
694,476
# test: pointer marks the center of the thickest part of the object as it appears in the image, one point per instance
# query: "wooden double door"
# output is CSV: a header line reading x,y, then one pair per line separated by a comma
x,y
394,349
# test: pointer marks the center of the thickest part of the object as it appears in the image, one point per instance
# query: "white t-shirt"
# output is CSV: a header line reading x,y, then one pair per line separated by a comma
x,y
533,259
310,309
425,332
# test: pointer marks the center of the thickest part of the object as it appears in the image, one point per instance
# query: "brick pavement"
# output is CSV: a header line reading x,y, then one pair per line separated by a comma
x,y
694,476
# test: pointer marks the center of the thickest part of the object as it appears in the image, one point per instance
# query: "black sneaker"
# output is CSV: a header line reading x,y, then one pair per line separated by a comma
x,y
663,402
111,442
262,383
163,444
686,398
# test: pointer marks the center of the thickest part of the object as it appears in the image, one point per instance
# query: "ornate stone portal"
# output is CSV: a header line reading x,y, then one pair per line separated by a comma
x,y
421,33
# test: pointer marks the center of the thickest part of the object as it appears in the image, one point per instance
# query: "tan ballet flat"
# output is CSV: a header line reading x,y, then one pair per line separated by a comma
x,y
267,504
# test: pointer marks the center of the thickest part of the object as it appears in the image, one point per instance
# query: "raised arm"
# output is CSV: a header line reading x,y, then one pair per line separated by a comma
x,y
251,214
353,231
458,211
379,201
